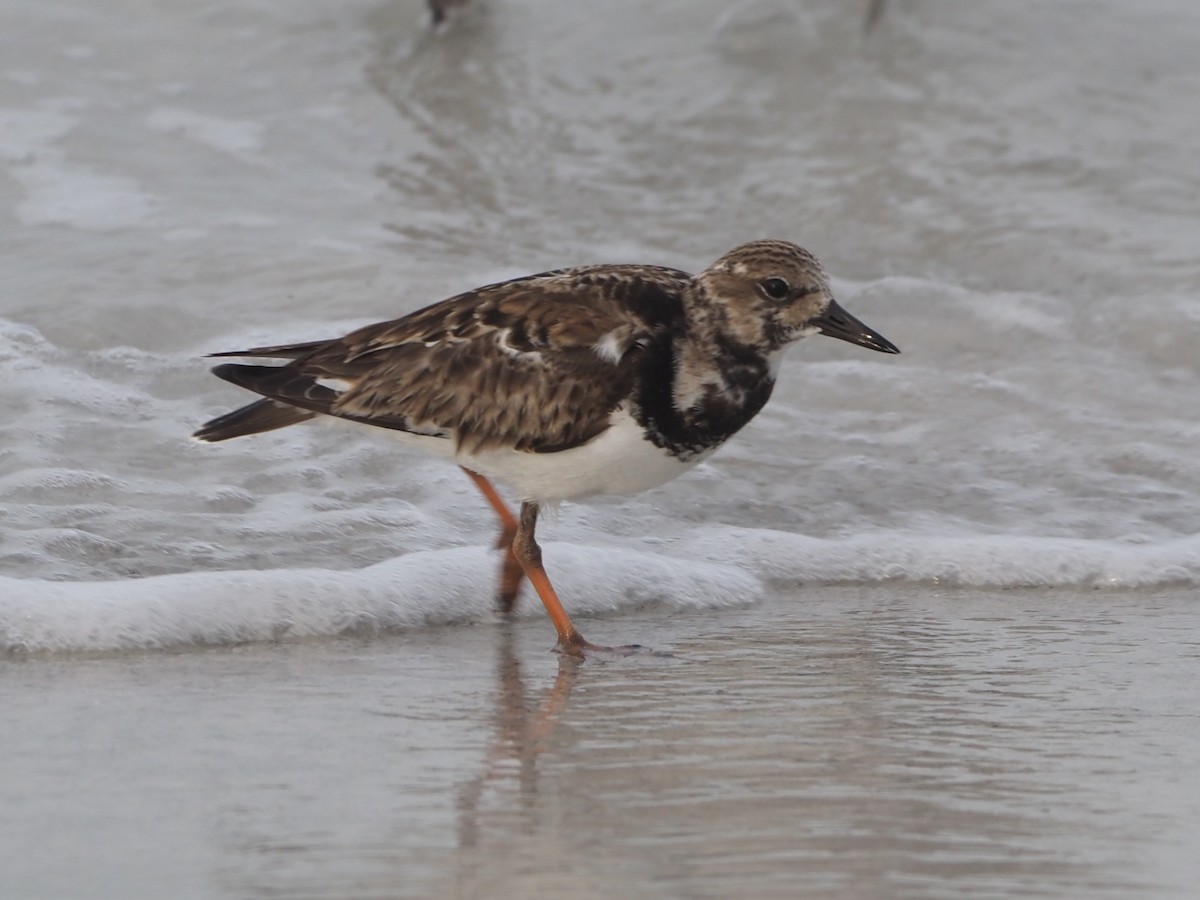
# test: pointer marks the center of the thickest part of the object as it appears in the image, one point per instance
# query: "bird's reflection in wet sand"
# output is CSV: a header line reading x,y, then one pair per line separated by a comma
x,y
506,790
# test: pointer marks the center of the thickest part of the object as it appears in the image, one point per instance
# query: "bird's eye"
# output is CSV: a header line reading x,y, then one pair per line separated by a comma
x,y
776,288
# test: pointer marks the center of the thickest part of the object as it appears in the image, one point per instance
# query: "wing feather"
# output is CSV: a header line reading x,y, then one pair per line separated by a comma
x,y
533,364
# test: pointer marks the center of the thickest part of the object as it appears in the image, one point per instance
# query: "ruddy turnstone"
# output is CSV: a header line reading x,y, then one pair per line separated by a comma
x,y
571,383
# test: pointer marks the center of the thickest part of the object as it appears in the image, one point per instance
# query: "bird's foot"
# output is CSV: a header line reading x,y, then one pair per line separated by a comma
x,y
578,647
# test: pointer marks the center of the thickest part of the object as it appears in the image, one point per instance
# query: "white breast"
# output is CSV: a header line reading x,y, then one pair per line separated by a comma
x,y
618,461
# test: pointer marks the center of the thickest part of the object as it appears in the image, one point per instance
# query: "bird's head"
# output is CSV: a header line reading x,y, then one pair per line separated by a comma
x,y
770,293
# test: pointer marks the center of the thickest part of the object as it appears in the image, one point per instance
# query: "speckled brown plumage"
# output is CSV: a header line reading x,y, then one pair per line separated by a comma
x,y
512,365
539,363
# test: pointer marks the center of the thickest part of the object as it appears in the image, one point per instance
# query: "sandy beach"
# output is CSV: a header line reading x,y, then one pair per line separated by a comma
x,y
873,742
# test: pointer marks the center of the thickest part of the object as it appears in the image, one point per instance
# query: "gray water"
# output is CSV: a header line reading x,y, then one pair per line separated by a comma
x,y
933,615
848,742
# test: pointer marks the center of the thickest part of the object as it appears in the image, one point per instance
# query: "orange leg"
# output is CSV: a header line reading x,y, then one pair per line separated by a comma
x,y
529,554
523,558
511,572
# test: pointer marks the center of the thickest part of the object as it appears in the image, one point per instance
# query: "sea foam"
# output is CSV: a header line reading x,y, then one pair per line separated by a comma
x,y
419,589
994,561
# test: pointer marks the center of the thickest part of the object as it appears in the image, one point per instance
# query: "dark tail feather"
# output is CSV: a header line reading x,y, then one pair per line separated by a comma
x,y
279,351
290,397
287,384
262,415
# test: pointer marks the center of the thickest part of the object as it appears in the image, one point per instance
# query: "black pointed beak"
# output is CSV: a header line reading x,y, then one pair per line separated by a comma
x,y
837,323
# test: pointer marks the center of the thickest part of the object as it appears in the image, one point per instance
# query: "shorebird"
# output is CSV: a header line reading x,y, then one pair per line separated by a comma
x,y
874,14
576,382
439,8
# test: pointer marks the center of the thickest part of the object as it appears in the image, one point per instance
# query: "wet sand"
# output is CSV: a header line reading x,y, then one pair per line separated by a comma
x,y
847,742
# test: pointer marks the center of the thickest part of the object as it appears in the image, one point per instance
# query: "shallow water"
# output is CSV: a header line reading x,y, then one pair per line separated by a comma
x,y
841,742
1006,191
988,548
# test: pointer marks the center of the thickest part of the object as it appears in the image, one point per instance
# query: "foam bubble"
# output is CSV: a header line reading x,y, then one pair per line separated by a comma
x,y
1001,561
418,589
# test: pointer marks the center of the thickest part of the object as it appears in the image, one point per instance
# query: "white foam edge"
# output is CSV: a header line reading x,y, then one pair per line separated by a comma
x,y
418,589
984,561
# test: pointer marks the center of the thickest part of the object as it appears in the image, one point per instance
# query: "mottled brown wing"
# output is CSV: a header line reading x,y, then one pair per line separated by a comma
x,y
534,364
